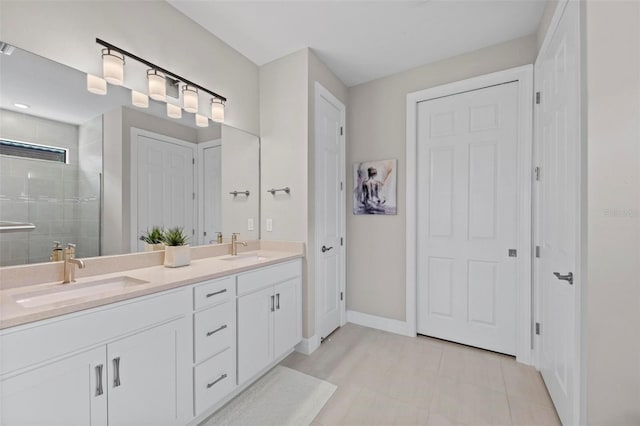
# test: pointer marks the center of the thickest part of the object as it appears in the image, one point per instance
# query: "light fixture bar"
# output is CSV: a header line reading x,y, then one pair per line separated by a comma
x,y
154,66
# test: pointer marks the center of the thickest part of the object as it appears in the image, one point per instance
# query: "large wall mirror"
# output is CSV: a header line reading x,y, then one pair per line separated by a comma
x,y
97,171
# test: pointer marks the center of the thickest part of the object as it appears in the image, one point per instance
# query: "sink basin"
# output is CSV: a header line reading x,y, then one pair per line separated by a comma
x,y
68,293
247,257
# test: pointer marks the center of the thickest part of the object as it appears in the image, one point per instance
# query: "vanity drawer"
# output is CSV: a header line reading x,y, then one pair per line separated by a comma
x,y
214,330
264,277
213,292
213,380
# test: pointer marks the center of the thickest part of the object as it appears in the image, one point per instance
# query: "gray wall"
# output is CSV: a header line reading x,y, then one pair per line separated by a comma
x,y
376,130
612,329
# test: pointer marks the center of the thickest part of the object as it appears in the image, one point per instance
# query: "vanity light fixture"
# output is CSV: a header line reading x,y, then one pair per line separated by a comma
x,y
113,59
202,121
174,111
139,99
217,110
157,85
113,66
96,84
190,98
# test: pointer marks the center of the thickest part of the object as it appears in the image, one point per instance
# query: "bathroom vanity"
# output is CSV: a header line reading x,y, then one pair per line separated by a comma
x,y
153,345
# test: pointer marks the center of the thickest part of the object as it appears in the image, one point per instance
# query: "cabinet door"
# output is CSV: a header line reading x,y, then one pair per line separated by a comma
x,y
255,324
287,316
145,377
68,392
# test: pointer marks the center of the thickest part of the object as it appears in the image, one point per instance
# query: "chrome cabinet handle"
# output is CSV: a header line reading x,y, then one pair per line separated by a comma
x,y
224,376
224,290
222,327
278,301
116,372
99,380
272,304
568,277
325,248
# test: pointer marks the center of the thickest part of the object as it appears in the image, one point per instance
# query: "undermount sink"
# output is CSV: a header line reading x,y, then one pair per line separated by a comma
x,y
74,291
246,257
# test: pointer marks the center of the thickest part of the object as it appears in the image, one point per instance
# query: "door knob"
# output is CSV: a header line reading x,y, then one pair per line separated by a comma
x,y
325,248
568,277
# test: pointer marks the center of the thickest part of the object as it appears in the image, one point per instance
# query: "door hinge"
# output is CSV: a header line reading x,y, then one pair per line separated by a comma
x,y
193,161
537,251
537,98
341,241
193,232
538,328
341,295
513,253
204,233
341,186
193,195
341,130
536,173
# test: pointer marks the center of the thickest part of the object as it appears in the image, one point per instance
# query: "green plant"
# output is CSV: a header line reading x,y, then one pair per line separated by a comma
x,y
175,237
155,236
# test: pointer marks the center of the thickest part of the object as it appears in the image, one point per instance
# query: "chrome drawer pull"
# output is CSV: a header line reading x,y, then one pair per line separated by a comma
x,y
224,290
224,376
99,380
222,327
116,372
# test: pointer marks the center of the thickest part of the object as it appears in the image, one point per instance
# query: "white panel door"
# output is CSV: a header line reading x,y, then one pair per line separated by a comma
x,y
255,330
211,193
558,153
467,217
165,185
68,392
329,210
286,322
145,374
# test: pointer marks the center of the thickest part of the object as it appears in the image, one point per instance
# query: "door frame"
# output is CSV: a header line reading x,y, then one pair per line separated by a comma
x,y
133,178
580,273
200,181
524,76
322,92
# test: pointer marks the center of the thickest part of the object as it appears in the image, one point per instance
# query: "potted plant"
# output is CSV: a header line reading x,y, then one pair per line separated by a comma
x,y
153,240
177,251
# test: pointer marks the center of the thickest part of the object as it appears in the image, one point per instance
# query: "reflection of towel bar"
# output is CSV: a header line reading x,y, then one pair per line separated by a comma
x,y
16,226
274,190
236,193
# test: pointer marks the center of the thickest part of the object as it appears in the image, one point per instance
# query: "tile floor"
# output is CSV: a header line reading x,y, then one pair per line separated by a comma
x,y
387,379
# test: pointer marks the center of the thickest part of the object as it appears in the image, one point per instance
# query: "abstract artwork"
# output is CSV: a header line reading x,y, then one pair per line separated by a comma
x,y
375,187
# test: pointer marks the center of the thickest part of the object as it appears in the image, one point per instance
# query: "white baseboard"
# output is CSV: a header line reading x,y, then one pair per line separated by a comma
x,y
308,346
380,323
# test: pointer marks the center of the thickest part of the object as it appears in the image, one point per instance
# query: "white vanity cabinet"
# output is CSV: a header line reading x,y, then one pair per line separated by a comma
x,y
269,316
138,377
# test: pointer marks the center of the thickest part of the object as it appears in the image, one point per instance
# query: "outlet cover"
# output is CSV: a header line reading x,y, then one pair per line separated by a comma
x,y
269,225
250,224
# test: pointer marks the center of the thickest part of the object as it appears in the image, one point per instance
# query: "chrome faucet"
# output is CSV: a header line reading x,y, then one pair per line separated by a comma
x,y
234,244
70,263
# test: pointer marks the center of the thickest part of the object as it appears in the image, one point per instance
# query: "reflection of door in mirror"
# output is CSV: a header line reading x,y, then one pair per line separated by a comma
x,y
162,185
210,166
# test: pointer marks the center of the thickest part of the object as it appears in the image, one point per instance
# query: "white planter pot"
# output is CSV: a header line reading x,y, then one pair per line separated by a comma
x,y
153,247
175,256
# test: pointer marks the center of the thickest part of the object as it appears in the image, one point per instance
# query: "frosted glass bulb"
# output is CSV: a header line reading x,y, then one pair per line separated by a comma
x,y
217,110
96,85
157,85
113,66
190,99
139,99
202,121
174,111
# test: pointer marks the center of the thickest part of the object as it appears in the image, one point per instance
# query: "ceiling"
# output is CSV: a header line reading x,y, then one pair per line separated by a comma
x,y
364,40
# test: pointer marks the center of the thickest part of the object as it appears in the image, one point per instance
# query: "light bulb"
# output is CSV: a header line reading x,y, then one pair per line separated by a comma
x,y
139,99
190,98
157,85
96,85
113,66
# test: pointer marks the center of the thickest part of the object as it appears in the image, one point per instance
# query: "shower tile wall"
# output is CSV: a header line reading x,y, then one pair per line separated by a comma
x,y
45,193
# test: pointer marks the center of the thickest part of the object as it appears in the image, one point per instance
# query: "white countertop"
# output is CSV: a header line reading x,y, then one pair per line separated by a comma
x,y
159,278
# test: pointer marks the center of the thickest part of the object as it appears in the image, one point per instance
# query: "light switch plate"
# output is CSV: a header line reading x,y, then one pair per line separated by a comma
x,y
250,224
269,225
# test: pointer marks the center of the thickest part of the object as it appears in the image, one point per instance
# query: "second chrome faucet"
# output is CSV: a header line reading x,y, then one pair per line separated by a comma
x,y
234,244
